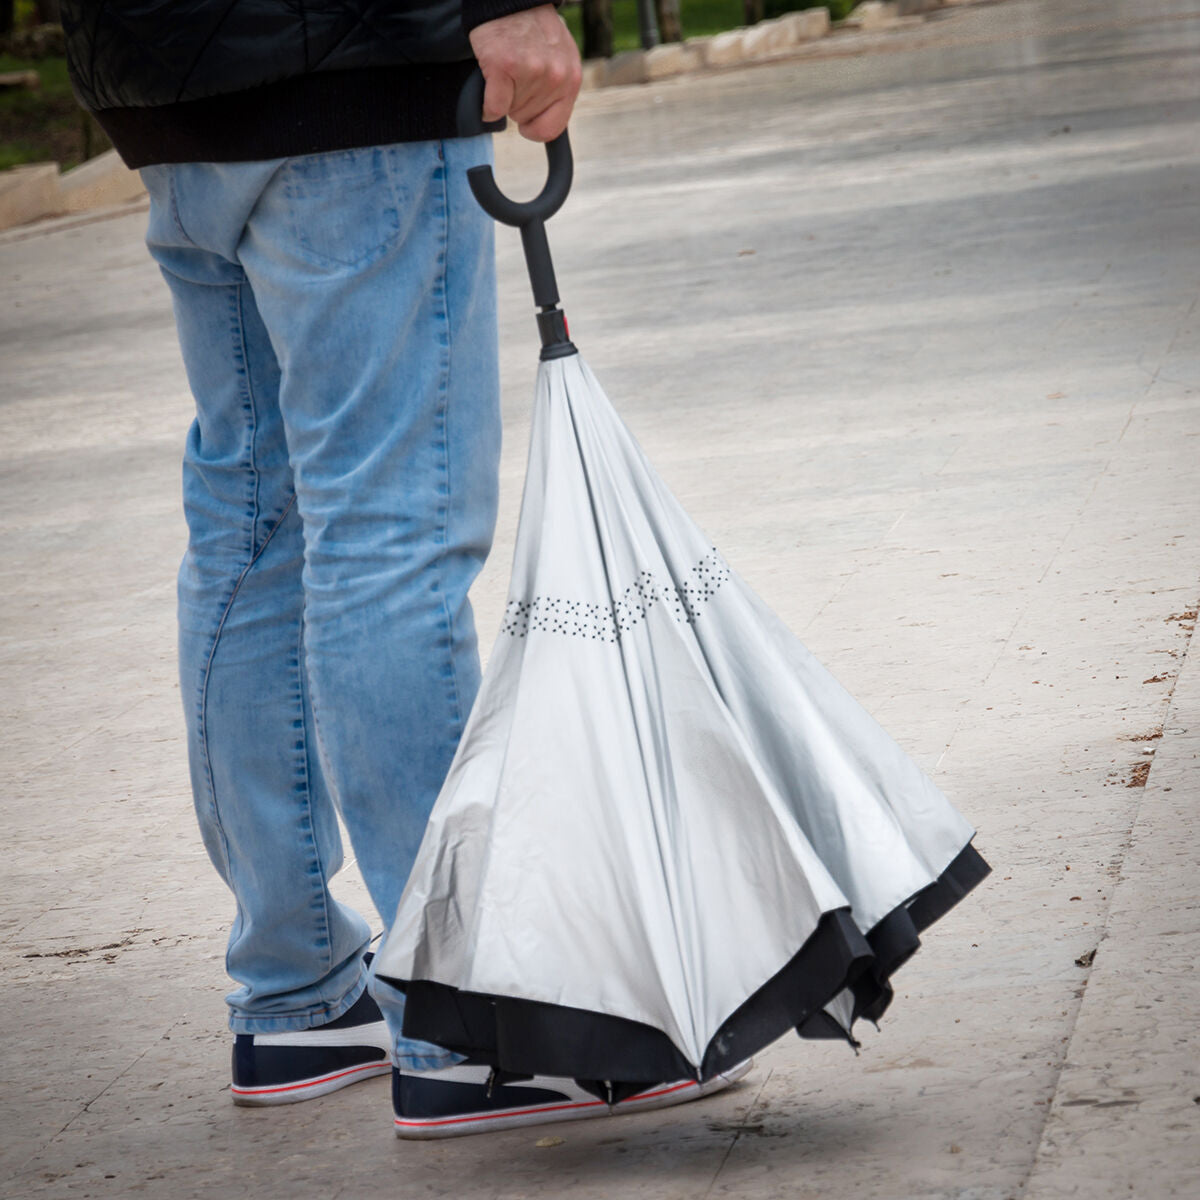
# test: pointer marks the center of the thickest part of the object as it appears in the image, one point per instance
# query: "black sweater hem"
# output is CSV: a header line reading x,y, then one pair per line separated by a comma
x,y
311,114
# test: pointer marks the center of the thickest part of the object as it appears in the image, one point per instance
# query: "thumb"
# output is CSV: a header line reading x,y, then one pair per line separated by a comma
x,y
497,96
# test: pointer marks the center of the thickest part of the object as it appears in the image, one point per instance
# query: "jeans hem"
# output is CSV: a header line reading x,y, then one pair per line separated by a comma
x,y
310,1018
408,1061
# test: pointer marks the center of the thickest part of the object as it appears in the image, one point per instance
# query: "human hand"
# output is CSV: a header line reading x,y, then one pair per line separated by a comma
x,y
531,69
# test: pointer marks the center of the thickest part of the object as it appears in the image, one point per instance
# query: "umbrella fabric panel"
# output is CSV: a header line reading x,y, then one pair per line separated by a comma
x,y
522,1036
878,823
674,845
663,812
629,836
858,797
893,941
615,1058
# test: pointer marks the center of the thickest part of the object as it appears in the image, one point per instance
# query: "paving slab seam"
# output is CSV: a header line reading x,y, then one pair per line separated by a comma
x,y
1003,649
1175,339
1129,831
1103,933
86,1106
738,1133
1005,645
1106,470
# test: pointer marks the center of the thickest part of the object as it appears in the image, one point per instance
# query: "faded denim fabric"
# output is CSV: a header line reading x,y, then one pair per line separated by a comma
x,y
337,318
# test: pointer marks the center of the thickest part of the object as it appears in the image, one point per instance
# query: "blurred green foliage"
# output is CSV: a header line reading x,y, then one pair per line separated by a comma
x,y
45,124
700,18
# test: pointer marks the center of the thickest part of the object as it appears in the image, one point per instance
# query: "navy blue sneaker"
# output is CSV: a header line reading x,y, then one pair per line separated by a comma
x,y
282,1068
464,1099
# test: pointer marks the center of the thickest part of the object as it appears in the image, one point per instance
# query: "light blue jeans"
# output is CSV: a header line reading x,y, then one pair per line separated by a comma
x,y
337,318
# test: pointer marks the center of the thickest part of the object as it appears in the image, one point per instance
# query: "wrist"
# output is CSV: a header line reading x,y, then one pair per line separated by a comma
x,y
480,12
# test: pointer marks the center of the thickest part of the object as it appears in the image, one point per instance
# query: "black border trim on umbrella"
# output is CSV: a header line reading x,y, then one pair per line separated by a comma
x,y
615,1057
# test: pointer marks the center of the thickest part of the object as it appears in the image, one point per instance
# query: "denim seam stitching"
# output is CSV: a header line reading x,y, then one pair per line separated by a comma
x,y
212,651
176,219
444,396
249,400
308,815
248,405
240,354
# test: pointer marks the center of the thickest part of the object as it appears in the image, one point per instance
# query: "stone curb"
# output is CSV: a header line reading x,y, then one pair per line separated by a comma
x,y
33,192
763,42
27,193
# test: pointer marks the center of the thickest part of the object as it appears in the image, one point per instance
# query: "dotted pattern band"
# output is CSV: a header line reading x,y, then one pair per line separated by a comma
x,y
609,622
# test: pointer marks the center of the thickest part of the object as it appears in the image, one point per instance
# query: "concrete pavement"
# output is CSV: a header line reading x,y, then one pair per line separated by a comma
x,y
913,332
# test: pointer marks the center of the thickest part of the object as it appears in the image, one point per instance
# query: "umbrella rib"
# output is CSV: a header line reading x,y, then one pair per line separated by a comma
x,y
672,898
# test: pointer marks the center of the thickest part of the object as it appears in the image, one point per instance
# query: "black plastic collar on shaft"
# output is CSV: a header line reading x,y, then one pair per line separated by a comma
x,y
552,325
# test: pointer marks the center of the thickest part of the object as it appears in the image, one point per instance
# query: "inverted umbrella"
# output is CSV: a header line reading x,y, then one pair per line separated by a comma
x,y
668,835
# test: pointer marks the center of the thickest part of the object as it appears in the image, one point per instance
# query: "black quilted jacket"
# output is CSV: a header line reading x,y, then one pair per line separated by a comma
x,y
235,80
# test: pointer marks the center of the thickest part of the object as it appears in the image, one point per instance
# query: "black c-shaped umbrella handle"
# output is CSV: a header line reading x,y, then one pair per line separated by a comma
x,y
528,216
483,182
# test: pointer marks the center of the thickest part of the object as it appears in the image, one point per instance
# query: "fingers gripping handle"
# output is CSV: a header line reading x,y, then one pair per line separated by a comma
x,y
483,183
528,216
469,117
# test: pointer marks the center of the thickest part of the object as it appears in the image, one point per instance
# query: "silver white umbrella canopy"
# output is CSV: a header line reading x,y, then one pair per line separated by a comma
x,y
668,835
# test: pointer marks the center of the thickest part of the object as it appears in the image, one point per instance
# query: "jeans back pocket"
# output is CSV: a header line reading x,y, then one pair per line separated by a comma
x,y
346,205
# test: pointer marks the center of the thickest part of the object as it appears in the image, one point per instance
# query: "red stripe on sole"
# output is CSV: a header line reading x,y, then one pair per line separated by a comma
x,y
307,1083
531,1112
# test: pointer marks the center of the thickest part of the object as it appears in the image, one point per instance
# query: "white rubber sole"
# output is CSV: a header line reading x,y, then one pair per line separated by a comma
x,y
306,1089
664,1096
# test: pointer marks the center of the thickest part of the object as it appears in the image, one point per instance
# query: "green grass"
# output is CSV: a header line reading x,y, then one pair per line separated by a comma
x,y
46,124
700,18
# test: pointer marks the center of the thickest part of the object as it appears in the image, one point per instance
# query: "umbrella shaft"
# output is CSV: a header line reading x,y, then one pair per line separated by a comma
x,y
537,259
552,323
